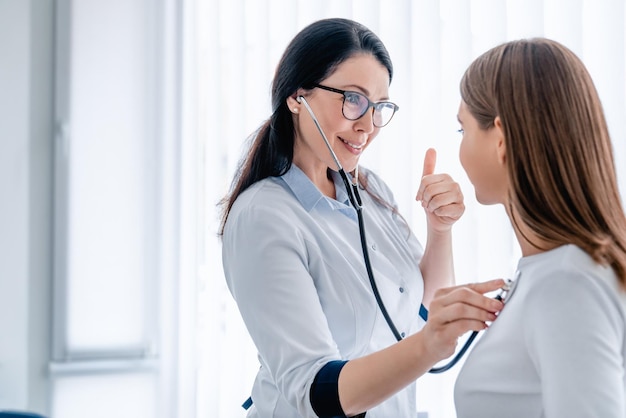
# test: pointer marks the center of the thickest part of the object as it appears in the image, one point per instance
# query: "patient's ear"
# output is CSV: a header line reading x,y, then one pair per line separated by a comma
x,y
501,143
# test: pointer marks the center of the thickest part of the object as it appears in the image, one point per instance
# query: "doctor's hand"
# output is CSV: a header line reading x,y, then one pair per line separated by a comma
x,y
455,311
441,196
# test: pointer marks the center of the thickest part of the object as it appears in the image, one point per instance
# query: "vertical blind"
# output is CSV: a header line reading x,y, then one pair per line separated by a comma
x,y
233,47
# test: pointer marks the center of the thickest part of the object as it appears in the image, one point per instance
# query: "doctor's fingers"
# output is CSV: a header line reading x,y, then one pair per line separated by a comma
x,y
453,211
470,294
431,180
440,194
451,331
480,287
461,311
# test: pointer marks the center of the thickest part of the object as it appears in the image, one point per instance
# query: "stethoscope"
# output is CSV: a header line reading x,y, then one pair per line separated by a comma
x,y
355,201
503,295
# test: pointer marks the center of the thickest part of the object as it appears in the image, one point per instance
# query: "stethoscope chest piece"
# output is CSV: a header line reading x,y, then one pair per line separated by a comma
x,y
509,287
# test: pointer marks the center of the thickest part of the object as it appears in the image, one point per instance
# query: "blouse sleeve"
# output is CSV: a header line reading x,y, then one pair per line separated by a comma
x,y
265,259
575,332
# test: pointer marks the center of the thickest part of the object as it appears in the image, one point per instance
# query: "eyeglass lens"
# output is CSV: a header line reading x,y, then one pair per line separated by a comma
x,y
355,105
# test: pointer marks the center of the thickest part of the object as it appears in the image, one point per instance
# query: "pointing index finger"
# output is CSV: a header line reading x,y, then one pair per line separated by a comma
x,y
430,160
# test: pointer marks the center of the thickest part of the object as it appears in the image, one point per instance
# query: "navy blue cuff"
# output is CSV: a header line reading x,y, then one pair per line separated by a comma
x,y
325,390
423,313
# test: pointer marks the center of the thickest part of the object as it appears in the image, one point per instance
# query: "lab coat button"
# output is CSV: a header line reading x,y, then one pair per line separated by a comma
x,y
401,290
374,247
402,335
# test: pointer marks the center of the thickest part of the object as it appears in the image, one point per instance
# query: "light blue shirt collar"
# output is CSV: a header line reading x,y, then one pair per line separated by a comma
x,y
309,195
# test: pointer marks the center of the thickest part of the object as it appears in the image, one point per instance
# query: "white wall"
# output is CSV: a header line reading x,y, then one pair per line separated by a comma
x,y
25,201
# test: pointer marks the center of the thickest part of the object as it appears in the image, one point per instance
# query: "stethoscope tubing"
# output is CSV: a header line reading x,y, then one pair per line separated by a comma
x,y
355,200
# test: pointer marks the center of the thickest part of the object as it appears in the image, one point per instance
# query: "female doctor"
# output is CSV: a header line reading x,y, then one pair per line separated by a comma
x,y
292,254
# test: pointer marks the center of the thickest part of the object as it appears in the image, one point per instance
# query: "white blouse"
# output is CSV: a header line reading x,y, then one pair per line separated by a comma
x,y
293,263
557,349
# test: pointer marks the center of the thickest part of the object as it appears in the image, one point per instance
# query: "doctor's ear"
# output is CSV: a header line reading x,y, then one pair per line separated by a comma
x,y
293,103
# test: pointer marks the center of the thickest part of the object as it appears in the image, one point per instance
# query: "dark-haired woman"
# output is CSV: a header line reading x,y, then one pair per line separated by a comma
x,y
292,255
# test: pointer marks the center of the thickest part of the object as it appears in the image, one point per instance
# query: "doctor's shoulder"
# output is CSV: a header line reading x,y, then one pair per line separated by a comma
x,y
269,192
268,201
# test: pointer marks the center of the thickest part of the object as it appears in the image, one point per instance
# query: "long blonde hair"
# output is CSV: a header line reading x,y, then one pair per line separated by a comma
x,y
558,149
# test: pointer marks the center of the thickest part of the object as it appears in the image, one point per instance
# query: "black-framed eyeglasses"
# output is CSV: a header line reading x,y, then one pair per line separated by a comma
x,y
355,105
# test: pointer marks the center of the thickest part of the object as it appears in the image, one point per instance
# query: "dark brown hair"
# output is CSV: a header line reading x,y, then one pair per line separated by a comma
x,y
312,56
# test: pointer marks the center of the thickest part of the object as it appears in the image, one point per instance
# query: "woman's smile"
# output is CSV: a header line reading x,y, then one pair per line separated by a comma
x,y
353,147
